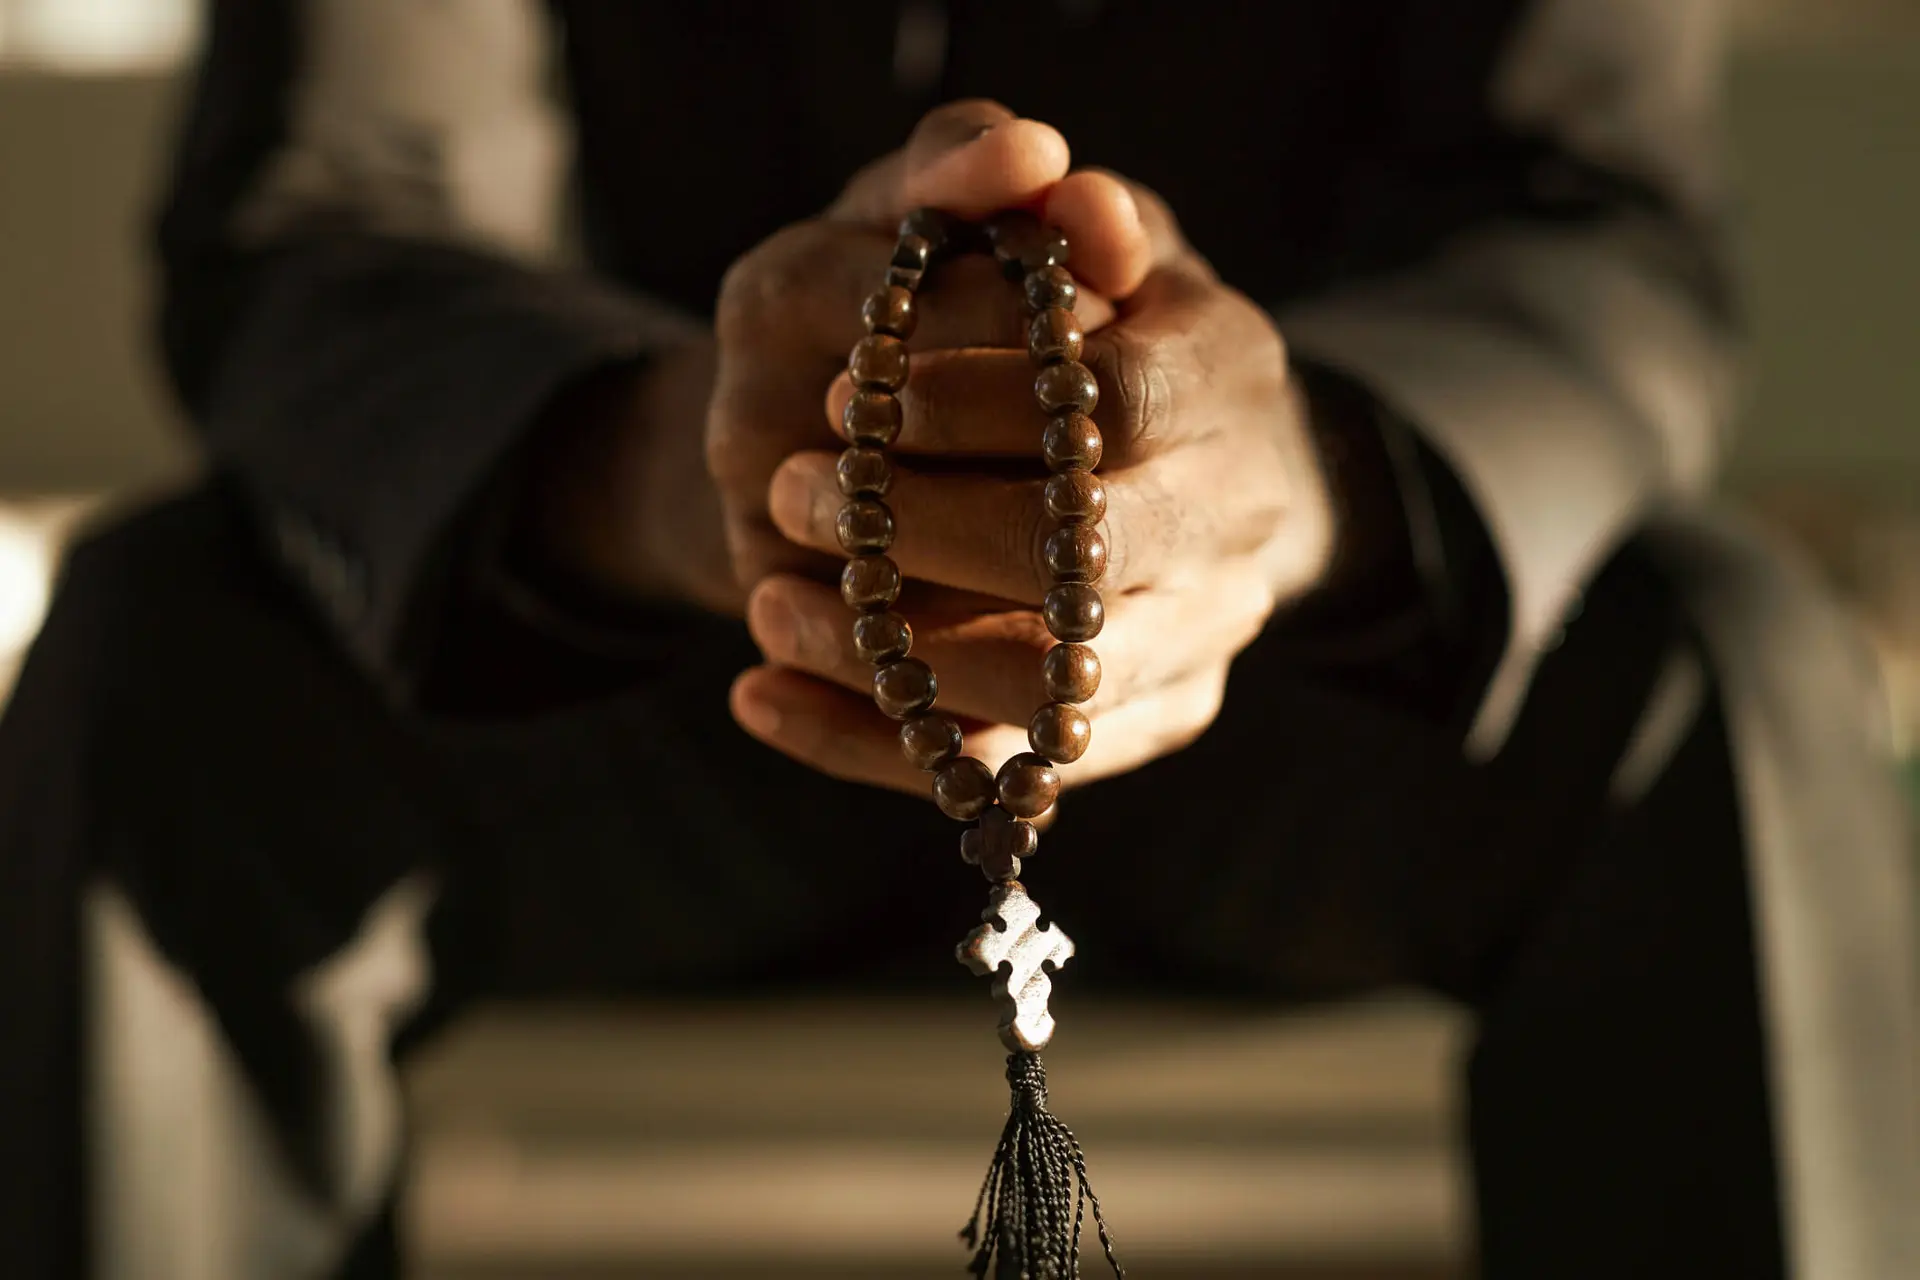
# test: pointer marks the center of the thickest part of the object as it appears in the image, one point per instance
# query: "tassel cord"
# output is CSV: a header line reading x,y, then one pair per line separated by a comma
x,y
1033,1203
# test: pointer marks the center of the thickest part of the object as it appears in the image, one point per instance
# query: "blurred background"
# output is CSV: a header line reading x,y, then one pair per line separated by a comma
x,y
584,1142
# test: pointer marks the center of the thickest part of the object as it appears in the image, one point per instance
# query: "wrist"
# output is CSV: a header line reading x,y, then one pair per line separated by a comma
x,y
1416,608
1372,574
617,500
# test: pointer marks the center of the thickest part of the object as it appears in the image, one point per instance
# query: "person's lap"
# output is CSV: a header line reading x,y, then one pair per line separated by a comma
x,y
252,796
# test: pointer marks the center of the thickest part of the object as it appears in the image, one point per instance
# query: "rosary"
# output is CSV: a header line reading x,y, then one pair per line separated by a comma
x,y
1027,1219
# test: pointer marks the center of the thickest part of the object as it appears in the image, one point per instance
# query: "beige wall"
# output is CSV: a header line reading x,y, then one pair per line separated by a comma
x,y
1825,141
79,407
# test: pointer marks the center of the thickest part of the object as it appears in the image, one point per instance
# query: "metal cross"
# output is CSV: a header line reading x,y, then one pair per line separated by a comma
x,y
1021,956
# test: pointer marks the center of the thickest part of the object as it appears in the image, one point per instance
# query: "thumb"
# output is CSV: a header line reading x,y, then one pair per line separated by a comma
x,y
974,158
970,158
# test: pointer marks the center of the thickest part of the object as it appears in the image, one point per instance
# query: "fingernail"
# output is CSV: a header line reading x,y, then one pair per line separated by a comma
x,y
935,157
774,625
757,716
963,136
787,501
803,499
817,643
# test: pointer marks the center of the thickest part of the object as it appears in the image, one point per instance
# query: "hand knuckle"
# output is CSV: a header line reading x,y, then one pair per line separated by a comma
x,y
748,552
1265,343
1026,628
1212,697
1276,342
735,309
1247,601
759,552
729,460
1131,529
1199,708
928,401
1026,532
760,282
1138,393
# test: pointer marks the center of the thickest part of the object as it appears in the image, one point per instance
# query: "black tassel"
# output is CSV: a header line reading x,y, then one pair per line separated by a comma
x,y
1036,1195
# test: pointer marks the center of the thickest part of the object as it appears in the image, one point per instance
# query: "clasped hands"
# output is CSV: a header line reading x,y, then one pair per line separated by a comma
x,y
1218,511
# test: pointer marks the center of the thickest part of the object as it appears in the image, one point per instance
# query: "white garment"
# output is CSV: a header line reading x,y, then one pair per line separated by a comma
x,y
1831,851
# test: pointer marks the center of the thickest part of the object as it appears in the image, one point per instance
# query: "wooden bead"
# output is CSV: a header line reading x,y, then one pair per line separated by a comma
x,y
998,843
1068,385
881,637
1055,335
869,583
905,688
1070,672
864,525
879,360
864,473
1070,443
929,741
1049,249
1076,497
872,418
1073,611
890,310
963,788
912,252
1051,287
1002,228
1028,785
1076,553
1019,836
1021,244
941,230
911,256
1059,732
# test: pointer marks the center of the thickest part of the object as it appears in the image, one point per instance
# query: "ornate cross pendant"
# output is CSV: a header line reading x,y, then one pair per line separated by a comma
x,y
1010,945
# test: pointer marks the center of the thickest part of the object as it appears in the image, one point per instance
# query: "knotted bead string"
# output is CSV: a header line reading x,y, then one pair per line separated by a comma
x,y
1001,806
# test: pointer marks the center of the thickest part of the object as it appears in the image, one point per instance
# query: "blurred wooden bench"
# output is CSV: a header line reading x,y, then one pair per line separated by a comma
x,y
848,1139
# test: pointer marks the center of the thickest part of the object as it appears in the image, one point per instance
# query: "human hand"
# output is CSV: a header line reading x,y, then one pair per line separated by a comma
x,y
1217,512
655,480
